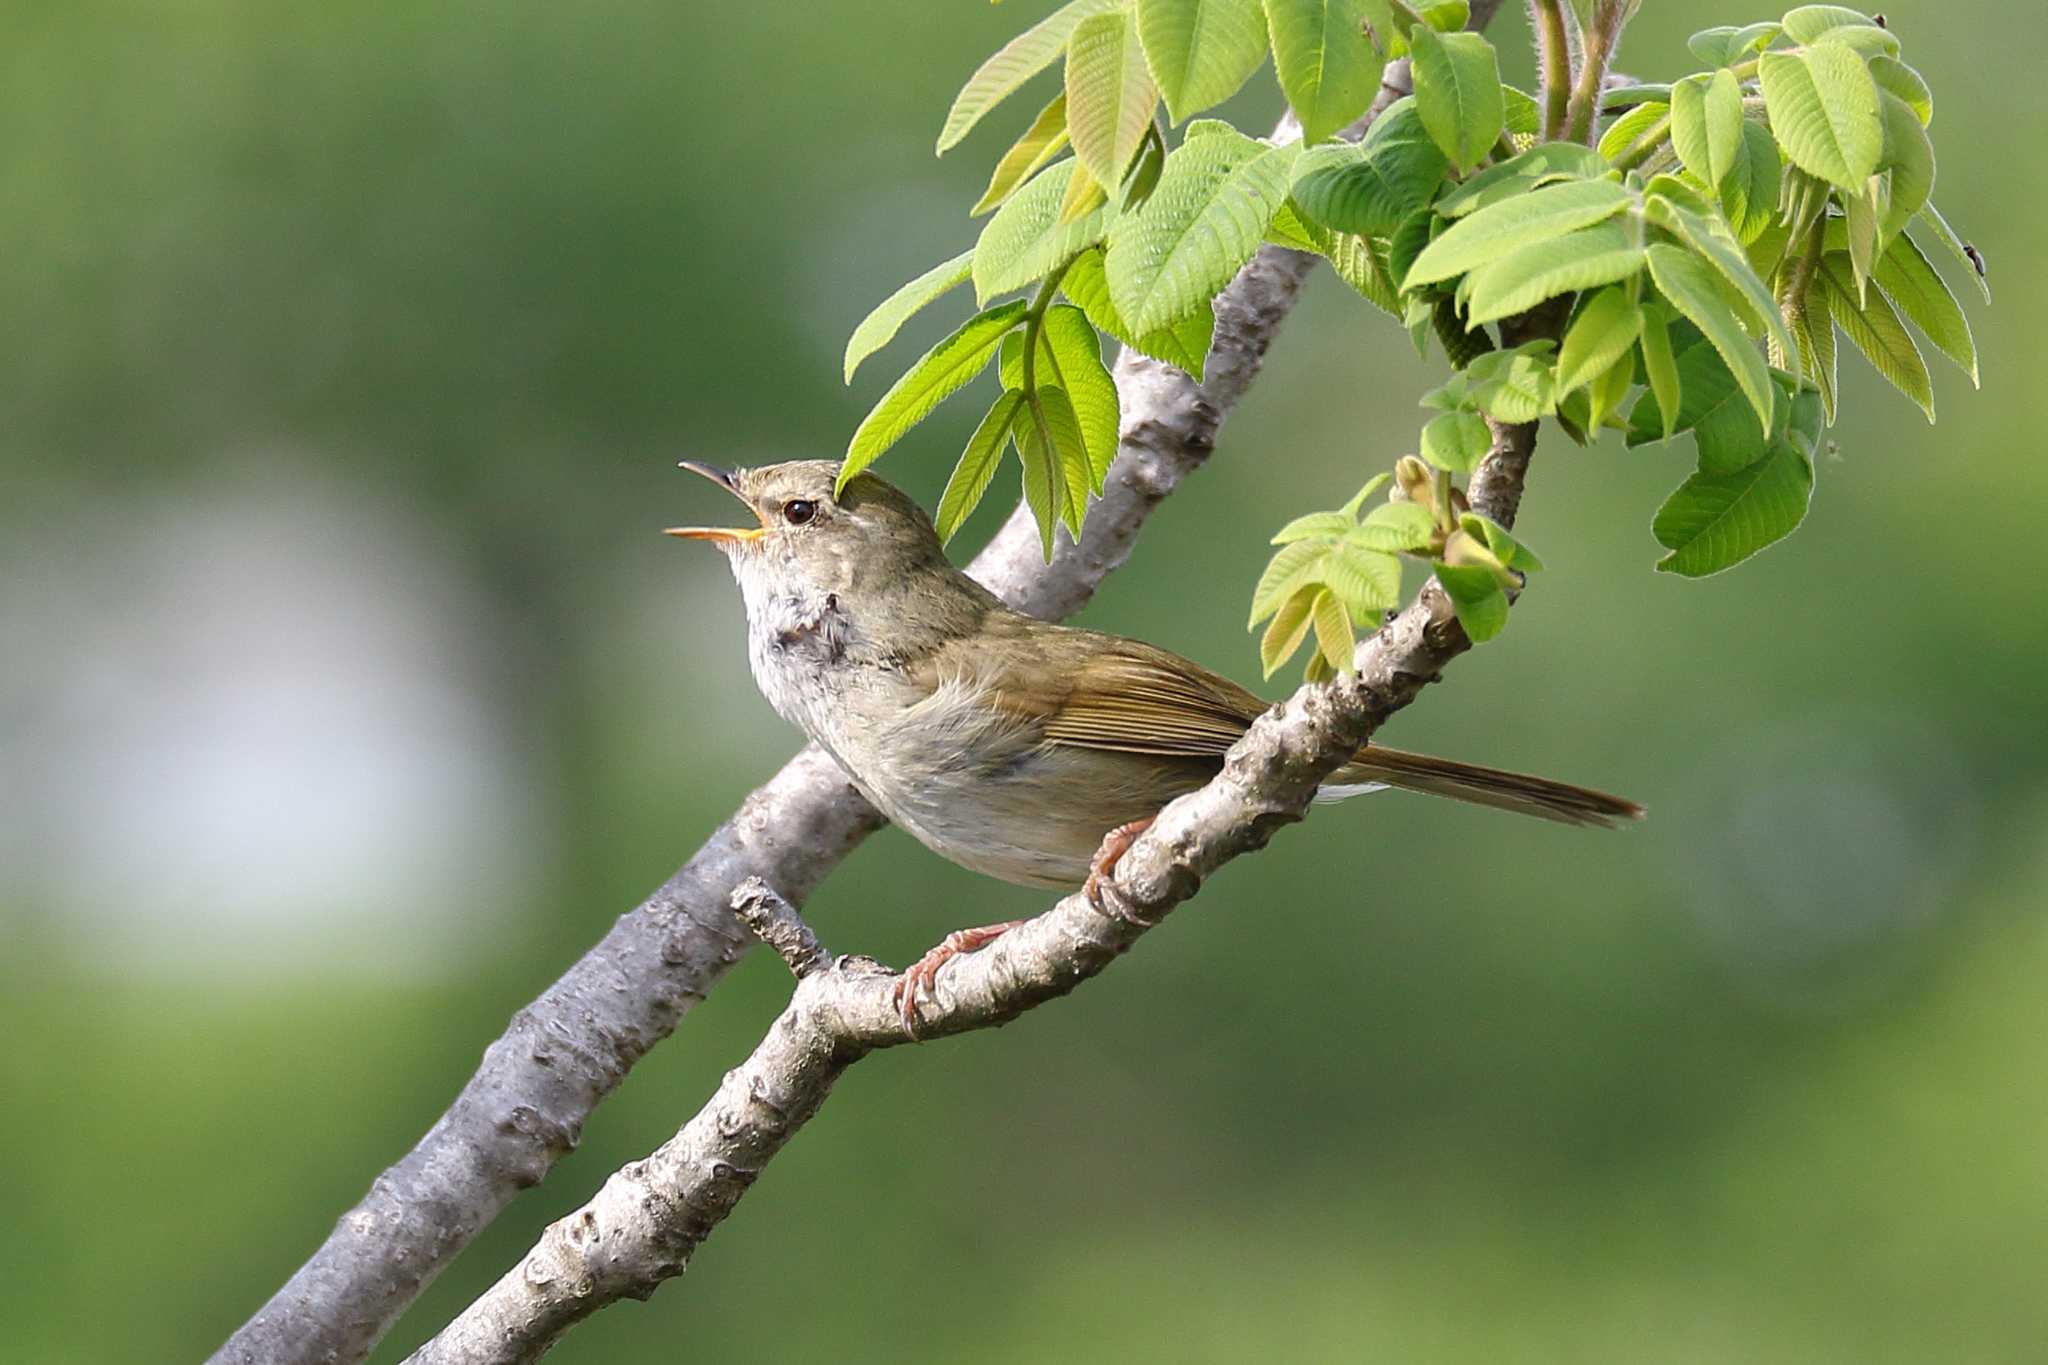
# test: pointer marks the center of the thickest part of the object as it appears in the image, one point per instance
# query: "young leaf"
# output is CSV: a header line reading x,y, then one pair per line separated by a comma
x,y
1824,111
1608,389
1813,327
1965,255
1874,329
1048,424
1518,281
1811,24
1456,441
1625,137
1500,544
878,328
1026,239
1514,386
1184,344
1366,581
1371,188
1333,630
1749,192
1110,95
1601,334
1043,490
1327,67
1205,220
1485,235
1289,628
1042,141
1714,522
1541,165
1372,486
1395,526
1910,281
1023,57
1294,565
1690,284
1316,525
1457,92
1070,358
1362,265
1730,46
940,371
970,478
1476,595
1895,77
1909,157
1706,123
1700,234
1201,51
1662,369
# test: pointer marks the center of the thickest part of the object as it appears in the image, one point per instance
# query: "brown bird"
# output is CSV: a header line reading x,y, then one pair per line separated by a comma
x,y
1029,751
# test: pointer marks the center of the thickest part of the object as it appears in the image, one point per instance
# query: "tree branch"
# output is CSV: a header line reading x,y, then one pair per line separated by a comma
x,y
651,1216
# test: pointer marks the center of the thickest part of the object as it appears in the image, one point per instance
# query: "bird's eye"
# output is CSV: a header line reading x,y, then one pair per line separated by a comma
x,y
797,511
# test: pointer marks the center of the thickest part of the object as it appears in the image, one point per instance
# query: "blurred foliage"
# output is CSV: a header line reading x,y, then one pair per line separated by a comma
x,y
1758,1081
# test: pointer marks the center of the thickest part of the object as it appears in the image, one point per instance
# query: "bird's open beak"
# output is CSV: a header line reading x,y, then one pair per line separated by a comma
x,y
717,534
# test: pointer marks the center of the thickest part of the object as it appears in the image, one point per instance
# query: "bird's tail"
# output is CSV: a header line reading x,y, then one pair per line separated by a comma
x,y
1539,796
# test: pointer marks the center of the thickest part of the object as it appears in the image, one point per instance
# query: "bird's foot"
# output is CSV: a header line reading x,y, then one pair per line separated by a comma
x,y
920,975
1100,888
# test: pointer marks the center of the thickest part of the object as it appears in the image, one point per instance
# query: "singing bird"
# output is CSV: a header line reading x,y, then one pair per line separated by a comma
x,y
1028,751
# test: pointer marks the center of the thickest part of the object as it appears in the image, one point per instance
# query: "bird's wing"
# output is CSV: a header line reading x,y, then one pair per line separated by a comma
x,y
1134,698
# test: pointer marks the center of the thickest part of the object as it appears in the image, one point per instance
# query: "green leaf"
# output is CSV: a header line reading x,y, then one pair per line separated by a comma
x,y
1025,240
1486,235
1514,386
1327,67
1333,630
1730,46
1662,369
1608,389
1110,95
1539,166
1456,441
1875,330
1713,522
1910,281
1201,51
1457,92
1372,486
1838,24
1824,112
1289,628
1946,235
1602,333
1319,525
1184,344
1622,137
1706,123
1070,358
1909,157
1042,141
1049,423
1202,223
1287,571
1749,192
878,328
1503,546
1366,581
1395,526
1692,287
1362,265
1477,597
1044,491
1523,121
1023,57
1813,326
1725,256
977,465
1371,188
940,371
1895,77
1518,281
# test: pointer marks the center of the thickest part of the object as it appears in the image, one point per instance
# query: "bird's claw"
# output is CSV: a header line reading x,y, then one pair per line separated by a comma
x,y
920,975
1100,888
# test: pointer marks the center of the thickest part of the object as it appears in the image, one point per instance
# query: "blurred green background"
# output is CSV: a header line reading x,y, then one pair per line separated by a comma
x,y
348,695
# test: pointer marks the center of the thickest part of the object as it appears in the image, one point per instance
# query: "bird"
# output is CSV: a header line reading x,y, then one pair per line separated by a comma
x,y
1025,750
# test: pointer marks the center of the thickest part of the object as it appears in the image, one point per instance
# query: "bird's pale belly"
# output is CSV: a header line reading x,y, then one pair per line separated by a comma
x,y
986,794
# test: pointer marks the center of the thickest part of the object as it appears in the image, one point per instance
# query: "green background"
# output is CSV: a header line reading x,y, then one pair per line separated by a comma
x,y
348,695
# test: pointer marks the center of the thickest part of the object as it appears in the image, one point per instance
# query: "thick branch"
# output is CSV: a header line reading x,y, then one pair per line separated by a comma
x,y
650,1217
